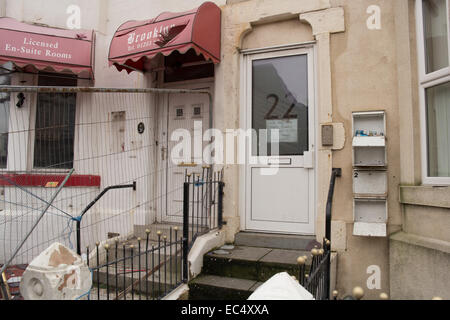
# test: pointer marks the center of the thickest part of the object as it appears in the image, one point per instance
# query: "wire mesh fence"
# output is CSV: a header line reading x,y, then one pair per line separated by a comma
x,y
108,137
83,131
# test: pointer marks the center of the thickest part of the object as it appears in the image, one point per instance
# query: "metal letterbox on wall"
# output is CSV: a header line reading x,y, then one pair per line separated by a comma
x,y
370,183
369,139
370,175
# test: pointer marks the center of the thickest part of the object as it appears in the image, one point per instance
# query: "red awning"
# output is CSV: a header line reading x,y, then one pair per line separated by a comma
x,y
35,48
137,41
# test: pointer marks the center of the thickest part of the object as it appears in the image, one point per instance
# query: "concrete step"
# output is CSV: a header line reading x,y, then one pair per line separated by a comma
x,y
276,241
210,287
156,285
252,263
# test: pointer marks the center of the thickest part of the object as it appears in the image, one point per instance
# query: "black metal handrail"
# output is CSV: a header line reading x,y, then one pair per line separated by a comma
x,y
336,172
90,205
318,280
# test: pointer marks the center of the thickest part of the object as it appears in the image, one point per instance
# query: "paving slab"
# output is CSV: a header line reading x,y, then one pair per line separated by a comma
x,y
225,282
284,256
275,241
245,253
209,287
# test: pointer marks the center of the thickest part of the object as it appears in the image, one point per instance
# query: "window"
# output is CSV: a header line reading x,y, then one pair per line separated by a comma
x,y
434,64
180,113
55,125
197,111
5,79
280,101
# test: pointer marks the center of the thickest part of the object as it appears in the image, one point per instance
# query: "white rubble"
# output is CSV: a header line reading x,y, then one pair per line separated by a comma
x,y
281,287
58,273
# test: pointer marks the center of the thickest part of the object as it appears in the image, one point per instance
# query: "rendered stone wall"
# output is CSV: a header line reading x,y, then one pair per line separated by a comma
x,y
419,267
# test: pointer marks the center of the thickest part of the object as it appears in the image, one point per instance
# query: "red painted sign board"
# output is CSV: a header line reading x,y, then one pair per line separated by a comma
x,y
46,48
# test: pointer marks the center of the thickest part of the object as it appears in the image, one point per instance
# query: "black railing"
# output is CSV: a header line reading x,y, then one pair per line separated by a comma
x,y
317,281
149,271
90,205
337,172
140,271
202,203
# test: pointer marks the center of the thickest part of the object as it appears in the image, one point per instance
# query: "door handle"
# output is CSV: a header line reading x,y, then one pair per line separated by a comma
x,y
163,153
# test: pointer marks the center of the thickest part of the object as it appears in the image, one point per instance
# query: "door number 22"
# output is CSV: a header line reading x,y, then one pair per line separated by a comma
x,y
269,115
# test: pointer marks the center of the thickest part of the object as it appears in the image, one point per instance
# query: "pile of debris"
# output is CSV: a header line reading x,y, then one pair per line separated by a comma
x,y
12,277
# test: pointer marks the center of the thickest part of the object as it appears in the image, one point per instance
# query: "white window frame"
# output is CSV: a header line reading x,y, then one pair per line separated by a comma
x,y
427,81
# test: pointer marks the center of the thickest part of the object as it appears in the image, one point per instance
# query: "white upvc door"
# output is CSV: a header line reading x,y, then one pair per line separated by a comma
x,y
179,111
279,94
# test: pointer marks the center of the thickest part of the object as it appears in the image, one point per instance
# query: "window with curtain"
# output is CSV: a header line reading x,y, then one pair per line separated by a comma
x,y
434,62
435,25
5,80
438,131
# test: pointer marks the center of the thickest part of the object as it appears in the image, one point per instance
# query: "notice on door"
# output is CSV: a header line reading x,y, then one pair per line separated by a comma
x,y
288,129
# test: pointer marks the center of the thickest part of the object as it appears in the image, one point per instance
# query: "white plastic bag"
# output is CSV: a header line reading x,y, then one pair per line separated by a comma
x,y
281,287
